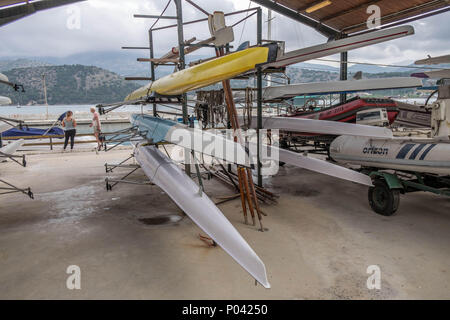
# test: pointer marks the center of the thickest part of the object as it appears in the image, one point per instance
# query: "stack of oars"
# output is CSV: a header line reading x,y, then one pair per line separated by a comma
x,y
232,180
245,179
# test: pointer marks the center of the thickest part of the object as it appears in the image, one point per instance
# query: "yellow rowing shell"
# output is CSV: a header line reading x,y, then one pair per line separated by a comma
x,y
204,74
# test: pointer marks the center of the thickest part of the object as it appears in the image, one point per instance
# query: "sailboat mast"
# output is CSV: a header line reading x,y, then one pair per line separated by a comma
x,y
45,93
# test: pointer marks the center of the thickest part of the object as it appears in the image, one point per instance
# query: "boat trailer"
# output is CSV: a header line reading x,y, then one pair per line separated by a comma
x,y
384,196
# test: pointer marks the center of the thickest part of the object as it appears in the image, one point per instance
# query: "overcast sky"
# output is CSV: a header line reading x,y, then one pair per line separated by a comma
x,y
106,25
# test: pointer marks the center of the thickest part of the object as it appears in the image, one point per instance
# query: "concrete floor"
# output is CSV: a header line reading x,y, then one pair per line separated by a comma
x,y
322,236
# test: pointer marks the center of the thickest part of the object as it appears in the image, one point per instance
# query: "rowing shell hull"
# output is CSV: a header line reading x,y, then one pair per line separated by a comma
x,y
426,156
5,126
3,77
346,44
274,93
204,74
181,189
5,101
217,146
236,63
295,124
12,147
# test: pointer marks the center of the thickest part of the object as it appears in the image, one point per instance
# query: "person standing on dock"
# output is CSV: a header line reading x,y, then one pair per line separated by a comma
x,y
97,127
69,124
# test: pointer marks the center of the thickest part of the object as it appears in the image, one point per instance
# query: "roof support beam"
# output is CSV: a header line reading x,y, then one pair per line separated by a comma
x,y
317,25
11,14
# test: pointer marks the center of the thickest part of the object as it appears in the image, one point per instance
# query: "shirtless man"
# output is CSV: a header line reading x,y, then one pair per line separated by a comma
x,y
97,127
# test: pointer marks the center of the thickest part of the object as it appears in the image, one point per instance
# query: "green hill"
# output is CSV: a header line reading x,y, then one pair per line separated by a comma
x,y
9,64
67,84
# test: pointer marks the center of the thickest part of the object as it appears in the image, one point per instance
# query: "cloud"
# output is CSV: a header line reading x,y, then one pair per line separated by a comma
x,y
106,25
431,37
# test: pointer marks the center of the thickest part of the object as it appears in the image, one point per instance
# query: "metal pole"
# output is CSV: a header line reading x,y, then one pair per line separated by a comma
x,y
269,37
181,50
182,65
259,99
227,50
343,71
152,65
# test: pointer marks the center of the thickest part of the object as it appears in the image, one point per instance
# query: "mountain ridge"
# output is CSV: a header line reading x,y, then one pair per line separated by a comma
x,y
67,84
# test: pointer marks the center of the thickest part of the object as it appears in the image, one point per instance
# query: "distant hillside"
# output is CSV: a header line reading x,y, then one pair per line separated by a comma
x,y
9,64
298,75
122,62
67,84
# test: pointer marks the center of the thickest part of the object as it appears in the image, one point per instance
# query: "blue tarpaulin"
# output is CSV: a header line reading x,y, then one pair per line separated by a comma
x,y
32,132
25,131
61,117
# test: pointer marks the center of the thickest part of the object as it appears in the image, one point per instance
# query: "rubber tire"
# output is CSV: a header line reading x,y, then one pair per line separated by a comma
x,y
391,198
329,155
283,145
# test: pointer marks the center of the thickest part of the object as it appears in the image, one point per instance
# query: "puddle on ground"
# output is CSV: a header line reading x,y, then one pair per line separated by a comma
x,y
305,192
72,204
161,220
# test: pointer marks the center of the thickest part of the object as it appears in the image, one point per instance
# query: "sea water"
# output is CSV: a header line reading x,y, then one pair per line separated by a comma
x,y
54,111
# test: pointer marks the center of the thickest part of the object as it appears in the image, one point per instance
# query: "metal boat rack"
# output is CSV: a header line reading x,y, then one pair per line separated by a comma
x,y
20,123
107,108
15,86
12,157
110,167
185,47
10,188
131,134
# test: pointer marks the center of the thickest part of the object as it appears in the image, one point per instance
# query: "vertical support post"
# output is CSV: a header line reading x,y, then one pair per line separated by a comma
x,y
259,99
343,73
152,65
269,37
181,50
227,50
182,65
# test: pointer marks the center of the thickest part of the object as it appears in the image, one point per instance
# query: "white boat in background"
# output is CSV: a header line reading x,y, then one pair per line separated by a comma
x,y
333,87
415,155
5,101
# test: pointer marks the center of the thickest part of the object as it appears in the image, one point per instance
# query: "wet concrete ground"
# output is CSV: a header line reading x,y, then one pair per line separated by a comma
x,y
322,237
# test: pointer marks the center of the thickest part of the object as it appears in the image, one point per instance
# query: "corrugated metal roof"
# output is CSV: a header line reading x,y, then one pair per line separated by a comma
x,y
349,16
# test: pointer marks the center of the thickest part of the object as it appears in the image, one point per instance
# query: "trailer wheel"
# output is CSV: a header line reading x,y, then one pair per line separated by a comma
x,y
382,199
